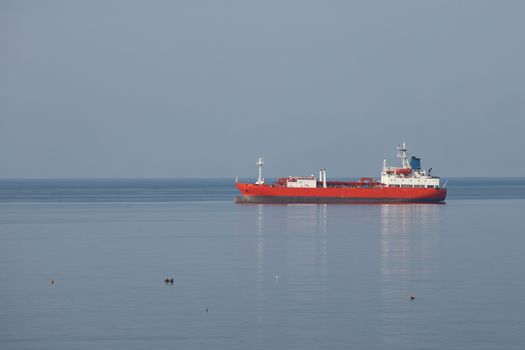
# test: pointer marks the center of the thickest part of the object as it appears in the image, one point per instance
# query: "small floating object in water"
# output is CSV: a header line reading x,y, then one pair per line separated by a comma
x,y
412,297
51,281
167,280
277,277
206,310
171,280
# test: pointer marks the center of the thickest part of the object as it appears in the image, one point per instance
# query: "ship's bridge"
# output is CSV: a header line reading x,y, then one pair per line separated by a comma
x,y
410,174
415,179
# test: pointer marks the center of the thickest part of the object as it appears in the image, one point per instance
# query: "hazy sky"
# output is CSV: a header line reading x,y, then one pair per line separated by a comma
x,y
202,88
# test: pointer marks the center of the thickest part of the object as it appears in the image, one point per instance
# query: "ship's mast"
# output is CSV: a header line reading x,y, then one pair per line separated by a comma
x,y
403,154
260,163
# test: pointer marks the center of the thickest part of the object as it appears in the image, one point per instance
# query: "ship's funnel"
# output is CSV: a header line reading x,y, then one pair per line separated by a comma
x,y
415,163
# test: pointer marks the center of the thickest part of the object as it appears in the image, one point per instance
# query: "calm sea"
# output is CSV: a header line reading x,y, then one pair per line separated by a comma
x,y
257,276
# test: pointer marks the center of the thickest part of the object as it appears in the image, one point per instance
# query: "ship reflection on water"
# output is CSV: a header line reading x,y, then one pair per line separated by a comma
x,y
408,246
408,238
338,261
290,254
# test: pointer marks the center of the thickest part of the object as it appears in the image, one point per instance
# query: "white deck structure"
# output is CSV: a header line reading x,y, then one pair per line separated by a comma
x,y
406,176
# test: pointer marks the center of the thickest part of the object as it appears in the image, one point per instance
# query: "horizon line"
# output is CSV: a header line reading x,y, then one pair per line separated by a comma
x,y
227,178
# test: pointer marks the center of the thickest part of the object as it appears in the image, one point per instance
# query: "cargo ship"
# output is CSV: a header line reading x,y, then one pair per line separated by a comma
x,y
405,183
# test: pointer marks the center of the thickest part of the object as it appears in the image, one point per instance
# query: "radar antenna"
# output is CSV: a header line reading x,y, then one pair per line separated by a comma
x,y
403,154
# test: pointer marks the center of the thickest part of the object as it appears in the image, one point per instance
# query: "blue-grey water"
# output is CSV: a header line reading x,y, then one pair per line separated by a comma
x,y
271,276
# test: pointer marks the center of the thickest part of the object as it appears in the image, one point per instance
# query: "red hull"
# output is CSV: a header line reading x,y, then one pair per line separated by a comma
x,y
252,193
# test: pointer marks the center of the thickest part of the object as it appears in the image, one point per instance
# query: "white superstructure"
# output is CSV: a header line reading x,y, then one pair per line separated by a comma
x,y
409,175
302,182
